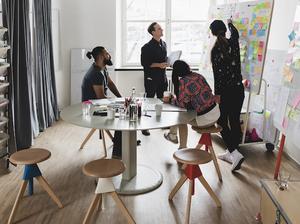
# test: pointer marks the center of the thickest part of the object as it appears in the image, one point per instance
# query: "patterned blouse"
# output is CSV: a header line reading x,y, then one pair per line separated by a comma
x,y
227,70
195,94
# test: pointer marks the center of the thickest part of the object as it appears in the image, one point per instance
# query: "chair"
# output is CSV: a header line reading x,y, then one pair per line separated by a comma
x,y
191,159
30,158
105,169
101,133
205,140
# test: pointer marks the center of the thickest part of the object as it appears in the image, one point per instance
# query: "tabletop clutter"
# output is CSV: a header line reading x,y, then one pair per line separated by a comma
x,y
129,108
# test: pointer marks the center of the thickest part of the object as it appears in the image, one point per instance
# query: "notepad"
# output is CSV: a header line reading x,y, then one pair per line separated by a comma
x,y
173,56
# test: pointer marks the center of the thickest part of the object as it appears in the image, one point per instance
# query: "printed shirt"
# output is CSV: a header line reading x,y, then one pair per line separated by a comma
x,y
195,94
227,71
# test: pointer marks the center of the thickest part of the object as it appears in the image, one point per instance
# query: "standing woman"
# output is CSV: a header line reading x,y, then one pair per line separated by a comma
x,y
226,64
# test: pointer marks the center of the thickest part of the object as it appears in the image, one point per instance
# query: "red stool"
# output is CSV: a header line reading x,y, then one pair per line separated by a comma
x,y
191,158
205,140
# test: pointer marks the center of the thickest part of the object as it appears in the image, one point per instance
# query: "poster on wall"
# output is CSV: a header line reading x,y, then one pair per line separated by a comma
x,y
252,19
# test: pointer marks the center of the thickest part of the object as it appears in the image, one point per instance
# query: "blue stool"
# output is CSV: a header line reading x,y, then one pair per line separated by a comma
x,y
30,158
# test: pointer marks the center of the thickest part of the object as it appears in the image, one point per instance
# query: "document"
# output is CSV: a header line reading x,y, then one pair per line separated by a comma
x,y
173,56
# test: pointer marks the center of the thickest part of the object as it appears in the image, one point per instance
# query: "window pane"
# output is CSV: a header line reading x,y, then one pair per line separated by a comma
x,y
146,9
188,37
137,36
190,9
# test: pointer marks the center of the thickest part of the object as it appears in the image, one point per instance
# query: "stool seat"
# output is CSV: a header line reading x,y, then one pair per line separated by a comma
x,y
104,168
192,156
211,129
29,156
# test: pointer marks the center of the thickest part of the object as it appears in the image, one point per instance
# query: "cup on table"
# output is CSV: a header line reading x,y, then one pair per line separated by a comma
x,y
158,109
86,108
167,96
110,112
122,113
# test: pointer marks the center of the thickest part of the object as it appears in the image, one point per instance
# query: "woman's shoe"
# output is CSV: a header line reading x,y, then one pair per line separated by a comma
x,y
170,137
237,160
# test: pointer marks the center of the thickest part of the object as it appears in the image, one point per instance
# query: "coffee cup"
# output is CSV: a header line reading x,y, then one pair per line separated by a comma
x,y
167,97
158,109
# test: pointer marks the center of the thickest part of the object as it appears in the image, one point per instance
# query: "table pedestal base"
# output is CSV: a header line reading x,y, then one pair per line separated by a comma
x,y
145,180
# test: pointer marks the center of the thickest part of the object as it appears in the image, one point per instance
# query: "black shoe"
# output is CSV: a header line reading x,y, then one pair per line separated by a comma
x,y
138,142
146,132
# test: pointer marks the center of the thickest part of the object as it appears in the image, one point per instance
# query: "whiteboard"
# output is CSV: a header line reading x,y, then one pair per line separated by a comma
x,y
252,19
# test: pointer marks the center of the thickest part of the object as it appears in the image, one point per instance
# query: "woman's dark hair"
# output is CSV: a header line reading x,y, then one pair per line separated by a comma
x,y
180,69
218,29
95,52
151,28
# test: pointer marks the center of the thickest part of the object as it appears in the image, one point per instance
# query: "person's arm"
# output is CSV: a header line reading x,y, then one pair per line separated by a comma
x,y
182,98
234,32
216,62
111,85
99,91
162,65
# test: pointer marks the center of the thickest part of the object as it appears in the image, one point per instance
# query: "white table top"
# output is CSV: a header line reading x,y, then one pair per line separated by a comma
x,y
73,114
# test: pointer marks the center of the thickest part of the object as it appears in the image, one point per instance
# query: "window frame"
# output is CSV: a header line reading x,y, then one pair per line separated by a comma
x,y
167,31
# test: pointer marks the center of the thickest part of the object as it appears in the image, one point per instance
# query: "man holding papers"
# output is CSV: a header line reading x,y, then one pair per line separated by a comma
x,y
154,62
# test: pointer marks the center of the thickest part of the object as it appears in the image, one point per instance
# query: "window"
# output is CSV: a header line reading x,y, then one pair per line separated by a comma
x,y
184,24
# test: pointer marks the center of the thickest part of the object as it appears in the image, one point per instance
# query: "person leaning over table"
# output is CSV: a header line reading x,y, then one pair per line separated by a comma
x,y
95,84
226,64
193,93
154,62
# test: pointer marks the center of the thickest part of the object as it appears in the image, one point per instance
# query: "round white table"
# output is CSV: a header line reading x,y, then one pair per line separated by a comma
x,y
137,178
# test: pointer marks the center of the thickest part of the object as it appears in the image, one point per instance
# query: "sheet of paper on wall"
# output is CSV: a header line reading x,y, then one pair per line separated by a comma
x,y
281,108
287,74
173,56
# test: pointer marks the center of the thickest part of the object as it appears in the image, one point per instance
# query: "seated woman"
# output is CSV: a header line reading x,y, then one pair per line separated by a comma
x,y
193,93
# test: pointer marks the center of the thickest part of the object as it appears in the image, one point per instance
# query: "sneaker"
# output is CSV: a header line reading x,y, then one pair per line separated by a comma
x,y
146,132
237,160
225,156
170,137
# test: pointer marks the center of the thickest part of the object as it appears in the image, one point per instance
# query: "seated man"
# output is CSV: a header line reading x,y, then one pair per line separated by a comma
x,y
95,84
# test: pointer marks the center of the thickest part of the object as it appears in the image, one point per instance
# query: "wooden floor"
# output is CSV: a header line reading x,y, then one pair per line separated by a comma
x,y
239,193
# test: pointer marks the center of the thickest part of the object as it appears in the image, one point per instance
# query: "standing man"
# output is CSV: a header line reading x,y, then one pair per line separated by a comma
x,y
154,62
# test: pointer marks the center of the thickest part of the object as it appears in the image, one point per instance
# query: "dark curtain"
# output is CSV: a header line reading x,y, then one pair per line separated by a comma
x,y
43,75
16,19
32,90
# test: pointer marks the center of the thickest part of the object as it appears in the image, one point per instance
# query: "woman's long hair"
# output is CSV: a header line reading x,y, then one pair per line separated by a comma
x,y
219,29
180,69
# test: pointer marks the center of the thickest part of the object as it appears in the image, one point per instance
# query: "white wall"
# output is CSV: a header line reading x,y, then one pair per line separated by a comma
x,y
83,24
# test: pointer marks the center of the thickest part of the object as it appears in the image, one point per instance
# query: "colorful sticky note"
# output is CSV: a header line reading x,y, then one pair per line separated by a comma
x,y
292,35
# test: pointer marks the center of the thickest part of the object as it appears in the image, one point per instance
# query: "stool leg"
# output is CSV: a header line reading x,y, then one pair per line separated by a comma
x,y
189,200
18,199
48,189
91,209
212,152
122,207
210,191
87,138
177,186
30,186
109,134
99,205
199,146
104,144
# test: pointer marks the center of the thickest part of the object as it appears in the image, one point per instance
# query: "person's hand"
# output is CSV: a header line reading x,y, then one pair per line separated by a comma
x,y
217,99
163,65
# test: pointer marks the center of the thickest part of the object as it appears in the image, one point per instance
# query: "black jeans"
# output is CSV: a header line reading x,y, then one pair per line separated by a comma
x,y
155,86
117,147
230,110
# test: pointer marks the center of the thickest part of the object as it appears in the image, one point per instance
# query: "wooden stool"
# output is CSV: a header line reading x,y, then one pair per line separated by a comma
x,y
205,140
104,169
101,132
191,158
30,158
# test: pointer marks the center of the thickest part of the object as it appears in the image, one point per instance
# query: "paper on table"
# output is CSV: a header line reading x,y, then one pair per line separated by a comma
x,y
173,56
